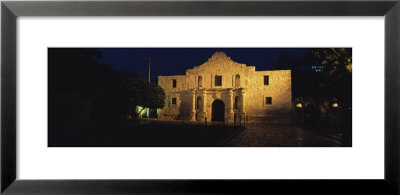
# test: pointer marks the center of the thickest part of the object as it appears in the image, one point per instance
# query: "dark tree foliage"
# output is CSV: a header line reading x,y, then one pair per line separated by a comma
x,y
80,88
72,71
337,72
333,81
140,92
336,61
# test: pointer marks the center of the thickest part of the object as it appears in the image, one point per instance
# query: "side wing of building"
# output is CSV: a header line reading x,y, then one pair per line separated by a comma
x,y
177,91
269,96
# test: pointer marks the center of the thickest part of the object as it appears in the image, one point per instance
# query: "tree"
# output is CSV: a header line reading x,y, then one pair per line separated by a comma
x,y
81,88
71,71
333,81
143,93
157,96
335,60
337,72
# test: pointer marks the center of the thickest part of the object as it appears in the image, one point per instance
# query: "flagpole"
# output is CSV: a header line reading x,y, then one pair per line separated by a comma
x,y
148,109
149,67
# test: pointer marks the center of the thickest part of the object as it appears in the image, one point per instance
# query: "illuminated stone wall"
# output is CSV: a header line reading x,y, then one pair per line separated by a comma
x,y
249,90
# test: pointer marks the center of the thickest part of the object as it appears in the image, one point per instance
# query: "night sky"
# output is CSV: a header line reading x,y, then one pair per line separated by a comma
x,y
175,61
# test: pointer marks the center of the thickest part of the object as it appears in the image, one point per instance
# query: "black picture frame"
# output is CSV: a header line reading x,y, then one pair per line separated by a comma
x,y
10,10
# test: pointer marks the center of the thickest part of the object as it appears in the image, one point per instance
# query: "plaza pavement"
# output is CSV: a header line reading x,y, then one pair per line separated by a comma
x,y
280,135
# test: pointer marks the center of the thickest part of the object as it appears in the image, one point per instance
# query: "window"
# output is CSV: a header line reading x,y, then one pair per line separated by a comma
x,y
200,81
218,80
174,83
266,80
174,101
237,80
268,100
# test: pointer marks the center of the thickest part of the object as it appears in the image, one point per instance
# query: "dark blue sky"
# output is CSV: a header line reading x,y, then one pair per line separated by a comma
x,y
174,61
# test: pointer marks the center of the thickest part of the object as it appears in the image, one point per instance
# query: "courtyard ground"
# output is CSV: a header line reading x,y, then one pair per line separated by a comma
x,y
155,133
140,133
280,135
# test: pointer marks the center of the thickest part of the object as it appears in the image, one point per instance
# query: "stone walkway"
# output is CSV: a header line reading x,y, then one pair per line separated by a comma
x,y
277,135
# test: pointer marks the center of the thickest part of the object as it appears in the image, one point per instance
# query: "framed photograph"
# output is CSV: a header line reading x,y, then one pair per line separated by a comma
x,y
296,101
220,97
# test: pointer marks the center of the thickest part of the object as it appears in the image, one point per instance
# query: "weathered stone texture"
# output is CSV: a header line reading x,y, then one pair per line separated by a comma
x,y
248,90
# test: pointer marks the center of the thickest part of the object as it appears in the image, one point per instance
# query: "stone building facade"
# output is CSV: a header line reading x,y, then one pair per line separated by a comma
x,y
223,90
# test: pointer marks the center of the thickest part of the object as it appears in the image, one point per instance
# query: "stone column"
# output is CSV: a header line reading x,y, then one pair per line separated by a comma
x,y
230,113
204,101
243,107
203,112
211,81
193,113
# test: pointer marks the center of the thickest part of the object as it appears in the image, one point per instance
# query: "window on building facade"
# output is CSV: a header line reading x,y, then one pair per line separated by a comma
x,y
268,100
200,81
237,80
266,80
218,80
174,83
173,100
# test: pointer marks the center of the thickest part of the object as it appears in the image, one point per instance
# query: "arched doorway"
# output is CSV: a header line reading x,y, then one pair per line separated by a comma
x,y
218,110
